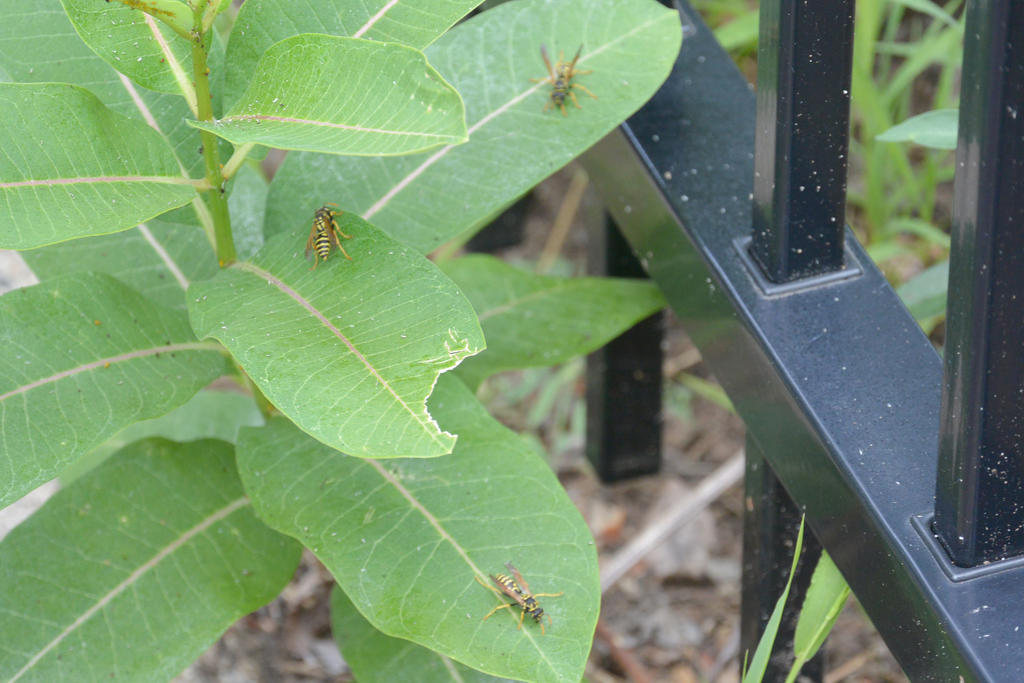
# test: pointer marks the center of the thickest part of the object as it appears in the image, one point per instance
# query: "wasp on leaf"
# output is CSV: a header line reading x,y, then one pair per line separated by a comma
x,y
560,77
517,589
325,229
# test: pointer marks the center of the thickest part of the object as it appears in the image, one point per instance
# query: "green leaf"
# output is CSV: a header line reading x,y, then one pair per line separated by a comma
x,y
929,8
207,415
135,570
824,601
161,256
759,662
82,357
534,320
925,293
138,45
351,350
73,168
261,24
629,44
740,32
935,129
247,203
344,96
405,538
919,227
38,44
158,258
377,658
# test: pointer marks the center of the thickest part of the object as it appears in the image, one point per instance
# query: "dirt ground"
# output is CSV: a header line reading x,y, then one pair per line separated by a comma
x,y
674,617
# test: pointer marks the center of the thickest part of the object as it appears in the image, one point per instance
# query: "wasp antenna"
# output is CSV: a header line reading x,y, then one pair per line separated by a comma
x,y
547,62
578,53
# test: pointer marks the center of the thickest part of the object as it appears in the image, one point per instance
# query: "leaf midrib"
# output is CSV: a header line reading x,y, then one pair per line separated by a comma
x,y
434,522
424,421
132,578
243,118
416,172
105,362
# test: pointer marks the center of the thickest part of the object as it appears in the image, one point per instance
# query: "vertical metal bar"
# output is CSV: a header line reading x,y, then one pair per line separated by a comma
x,y
770,523
979,504
623,377
804,62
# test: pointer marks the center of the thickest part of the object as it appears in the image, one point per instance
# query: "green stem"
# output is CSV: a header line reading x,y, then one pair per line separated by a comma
x,y
237,159
215,197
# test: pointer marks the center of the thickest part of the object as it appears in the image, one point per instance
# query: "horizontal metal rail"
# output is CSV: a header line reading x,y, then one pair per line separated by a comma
x,y
837,385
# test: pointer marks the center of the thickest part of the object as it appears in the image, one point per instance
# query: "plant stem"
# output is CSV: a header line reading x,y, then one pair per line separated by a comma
x,y
215,197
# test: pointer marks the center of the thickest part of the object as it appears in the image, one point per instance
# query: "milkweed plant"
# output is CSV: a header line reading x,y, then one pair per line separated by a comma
x,y
342,417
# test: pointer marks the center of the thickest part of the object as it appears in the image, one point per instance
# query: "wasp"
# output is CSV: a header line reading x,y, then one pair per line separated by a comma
x,y
325,229
517,589
560,77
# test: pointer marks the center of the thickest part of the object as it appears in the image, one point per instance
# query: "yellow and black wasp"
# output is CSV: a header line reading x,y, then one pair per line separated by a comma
x,y
325,229
517,589
560,77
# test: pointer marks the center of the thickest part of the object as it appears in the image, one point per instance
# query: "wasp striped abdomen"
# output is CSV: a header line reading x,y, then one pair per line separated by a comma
x,y
325,230
517,589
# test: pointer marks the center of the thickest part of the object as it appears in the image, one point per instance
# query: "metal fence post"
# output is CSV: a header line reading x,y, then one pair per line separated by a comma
x,y
979,502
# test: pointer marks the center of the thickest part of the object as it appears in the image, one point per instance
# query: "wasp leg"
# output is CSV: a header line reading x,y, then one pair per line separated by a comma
x,y
548,595
584,89
488,586
334,224
521,615
562,106
496,609
334,236
574,100
542,628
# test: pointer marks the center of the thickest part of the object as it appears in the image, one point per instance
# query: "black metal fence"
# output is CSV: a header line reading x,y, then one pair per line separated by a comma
x,y
911,474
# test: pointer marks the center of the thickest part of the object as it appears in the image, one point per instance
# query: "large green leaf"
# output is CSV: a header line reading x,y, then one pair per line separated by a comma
x,y
143,48
377,658
351,350
158,259
133,571
427,199
71,167
82,357
161,256
344,96
534,320
406,537
261,23
38,44
247,203
207,415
